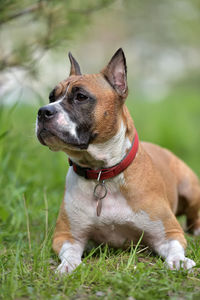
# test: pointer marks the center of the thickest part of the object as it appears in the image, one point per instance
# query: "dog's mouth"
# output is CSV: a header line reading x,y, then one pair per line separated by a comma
x,y
58,140
49,138
42,134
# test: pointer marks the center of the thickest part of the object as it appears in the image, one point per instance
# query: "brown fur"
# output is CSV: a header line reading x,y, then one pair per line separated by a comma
x,y
62,231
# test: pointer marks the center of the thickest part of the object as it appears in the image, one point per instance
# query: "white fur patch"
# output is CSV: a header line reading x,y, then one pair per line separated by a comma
x,y
112,151
174,254
36,126
70,256
64,123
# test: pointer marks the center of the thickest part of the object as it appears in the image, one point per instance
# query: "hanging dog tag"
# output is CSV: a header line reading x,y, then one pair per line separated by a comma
x,y
100,192
99,206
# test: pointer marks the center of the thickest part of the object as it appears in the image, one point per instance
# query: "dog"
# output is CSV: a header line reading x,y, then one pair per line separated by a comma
x,y
117,188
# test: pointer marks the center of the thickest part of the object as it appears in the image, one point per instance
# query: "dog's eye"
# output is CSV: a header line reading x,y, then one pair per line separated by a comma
x,y
81,97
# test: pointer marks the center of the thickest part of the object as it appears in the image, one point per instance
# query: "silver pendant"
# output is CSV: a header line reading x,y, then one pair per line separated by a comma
x,y
100,192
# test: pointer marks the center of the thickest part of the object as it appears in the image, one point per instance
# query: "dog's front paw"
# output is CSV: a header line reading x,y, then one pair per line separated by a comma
x,y
176,262
67,266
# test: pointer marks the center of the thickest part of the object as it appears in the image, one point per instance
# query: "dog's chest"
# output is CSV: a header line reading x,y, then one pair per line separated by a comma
x,y
117,222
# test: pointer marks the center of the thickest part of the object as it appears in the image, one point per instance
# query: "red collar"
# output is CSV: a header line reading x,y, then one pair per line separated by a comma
x,y
102,174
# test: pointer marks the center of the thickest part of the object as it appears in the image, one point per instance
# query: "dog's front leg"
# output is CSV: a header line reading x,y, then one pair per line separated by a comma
x,y
68,247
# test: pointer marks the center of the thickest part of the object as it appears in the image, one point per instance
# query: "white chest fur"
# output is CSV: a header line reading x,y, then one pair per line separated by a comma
x,y
117,222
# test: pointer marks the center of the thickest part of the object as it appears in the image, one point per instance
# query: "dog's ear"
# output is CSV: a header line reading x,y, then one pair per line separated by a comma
x,y
116,73
75,68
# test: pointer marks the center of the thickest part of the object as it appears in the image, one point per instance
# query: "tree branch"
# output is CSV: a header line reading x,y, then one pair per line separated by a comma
x,y
23,12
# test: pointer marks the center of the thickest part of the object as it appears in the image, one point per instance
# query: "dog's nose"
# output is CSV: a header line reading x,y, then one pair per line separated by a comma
x,y
46,112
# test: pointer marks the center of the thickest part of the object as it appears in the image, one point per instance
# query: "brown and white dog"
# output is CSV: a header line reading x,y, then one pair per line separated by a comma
x,y
87,119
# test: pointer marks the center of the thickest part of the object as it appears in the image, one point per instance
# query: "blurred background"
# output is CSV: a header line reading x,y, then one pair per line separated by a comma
x,y
161,40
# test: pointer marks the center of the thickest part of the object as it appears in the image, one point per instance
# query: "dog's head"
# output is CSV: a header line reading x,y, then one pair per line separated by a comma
x,y
84,109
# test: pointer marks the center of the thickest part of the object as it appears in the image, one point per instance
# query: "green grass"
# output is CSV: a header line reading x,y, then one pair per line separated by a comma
x,y
31,188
